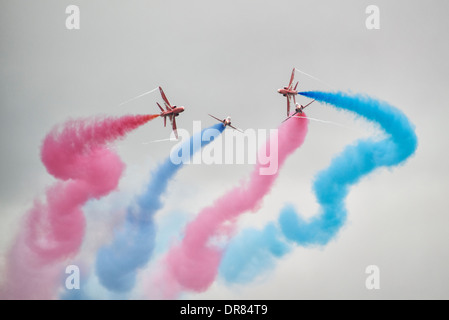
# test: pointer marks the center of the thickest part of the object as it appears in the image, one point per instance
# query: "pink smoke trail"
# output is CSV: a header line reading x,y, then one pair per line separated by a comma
x,y
193,263
76,154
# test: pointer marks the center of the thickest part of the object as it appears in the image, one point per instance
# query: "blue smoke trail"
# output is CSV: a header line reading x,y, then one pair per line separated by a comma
x,y
251,251
132,247
331,185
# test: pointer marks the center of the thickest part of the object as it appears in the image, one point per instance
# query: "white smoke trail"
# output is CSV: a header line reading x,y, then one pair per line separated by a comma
x,y
169,139
139,96
327,122
315,78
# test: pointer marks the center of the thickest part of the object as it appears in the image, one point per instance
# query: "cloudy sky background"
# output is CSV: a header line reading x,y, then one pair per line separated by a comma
x,y
228,58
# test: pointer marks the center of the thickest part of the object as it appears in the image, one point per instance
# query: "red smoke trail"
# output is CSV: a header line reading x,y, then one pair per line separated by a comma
x,y
193,263
76,154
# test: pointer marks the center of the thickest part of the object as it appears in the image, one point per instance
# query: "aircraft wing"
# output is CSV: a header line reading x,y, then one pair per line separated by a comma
x,y
309,103
291,79
290,116
164,97
239,130
288,106
215,118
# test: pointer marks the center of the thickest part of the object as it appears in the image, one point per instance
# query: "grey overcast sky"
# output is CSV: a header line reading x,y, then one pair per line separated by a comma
x,y
228,58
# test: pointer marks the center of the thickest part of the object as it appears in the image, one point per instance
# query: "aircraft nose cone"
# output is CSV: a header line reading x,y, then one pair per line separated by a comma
x,y
279,90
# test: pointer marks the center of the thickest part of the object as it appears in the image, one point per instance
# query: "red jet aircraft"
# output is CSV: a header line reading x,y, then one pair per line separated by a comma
x,y
298,109
289,92
171,112
226,122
